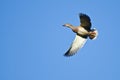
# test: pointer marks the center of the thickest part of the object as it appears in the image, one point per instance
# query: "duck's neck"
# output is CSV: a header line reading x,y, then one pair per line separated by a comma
x,y
70,26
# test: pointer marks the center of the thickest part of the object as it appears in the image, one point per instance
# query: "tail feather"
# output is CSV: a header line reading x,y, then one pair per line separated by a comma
x,y
93,34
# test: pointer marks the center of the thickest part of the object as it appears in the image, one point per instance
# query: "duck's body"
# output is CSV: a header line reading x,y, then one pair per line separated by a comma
x,y
82,33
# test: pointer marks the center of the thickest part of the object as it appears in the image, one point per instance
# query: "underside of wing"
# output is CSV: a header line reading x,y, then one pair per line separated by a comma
x,y
85,21
76,45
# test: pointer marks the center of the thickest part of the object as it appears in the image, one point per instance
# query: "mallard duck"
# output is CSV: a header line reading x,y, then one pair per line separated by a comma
x,y
83,32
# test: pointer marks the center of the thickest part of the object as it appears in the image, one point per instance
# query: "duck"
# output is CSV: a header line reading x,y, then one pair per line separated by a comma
x,y
83,32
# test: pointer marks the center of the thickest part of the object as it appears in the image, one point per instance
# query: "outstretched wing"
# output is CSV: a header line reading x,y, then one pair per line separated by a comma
x,y
76,45
85,21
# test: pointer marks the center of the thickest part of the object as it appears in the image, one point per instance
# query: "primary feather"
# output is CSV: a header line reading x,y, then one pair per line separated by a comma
x,y
85,21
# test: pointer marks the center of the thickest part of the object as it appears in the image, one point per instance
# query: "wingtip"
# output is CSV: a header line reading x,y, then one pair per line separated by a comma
x,y
67,54
82,14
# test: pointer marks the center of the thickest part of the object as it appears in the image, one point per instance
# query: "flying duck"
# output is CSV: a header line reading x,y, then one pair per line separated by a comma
x,y
83,32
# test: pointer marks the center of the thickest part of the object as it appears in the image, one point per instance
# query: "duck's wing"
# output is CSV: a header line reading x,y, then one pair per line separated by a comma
x,y
85,21
76,45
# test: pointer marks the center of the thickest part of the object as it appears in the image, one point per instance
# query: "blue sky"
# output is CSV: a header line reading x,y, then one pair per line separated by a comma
x,y
33,40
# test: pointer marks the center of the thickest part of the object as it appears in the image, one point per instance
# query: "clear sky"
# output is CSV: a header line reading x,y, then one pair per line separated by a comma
x,y
33,40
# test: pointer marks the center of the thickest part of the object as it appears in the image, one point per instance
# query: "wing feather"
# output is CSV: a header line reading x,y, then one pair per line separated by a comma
x,y
85,21
76,45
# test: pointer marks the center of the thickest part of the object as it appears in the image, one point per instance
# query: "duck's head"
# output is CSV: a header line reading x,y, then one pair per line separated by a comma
x,y
67,25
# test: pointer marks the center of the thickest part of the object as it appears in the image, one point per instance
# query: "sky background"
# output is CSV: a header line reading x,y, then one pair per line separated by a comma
x,y
33,40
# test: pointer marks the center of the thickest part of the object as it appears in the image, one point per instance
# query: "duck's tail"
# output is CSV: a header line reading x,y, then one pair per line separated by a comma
x,y
93,34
